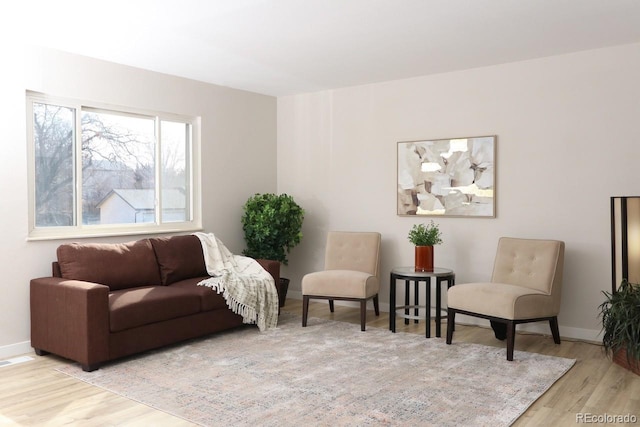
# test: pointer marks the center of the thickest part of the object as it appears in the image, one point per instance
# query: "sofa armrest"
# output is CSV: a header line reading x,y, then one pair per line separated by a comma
x,y
273,267
70,318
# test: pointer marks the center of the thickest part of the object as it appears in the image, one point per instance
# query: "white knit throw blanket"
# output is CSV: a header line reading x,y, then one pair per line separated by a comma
x,y
248,289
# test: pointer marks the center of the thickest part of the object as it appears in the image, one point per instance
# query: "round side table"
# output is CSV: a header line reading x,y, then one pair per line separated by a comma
x,y
410,275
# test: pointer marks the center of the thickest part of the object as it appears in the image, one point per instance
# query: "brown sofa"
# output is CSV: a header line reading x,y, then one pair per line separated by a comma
x,y
106,301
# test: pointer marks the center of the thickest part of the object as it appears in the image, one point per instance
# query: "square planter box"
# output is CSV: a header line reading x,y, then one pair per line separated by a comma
x,y
620,358
284,287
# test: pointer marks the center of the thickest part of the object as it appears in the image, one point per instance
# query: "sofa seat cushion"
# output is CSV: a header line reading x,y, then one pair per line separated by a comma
x,y
130,308
117,265
502,300
209,298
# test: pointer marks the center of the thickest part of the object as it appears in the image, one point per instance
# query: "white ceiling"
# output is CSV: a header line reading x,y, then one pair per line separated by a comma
x,y
283,47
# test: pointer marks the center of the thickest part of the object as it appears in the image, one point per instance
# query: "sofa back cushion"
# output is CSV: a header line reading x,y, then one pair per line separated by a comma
x,y
117,265
179,258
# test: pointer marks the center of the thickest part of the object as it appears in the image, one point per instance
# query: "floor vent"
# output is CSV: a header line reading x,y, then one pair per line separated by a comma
x,y
15,360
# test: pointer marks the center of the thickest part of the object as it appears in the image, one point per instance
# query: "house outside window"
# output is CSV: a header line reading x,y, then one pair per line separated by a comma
x,y
97,170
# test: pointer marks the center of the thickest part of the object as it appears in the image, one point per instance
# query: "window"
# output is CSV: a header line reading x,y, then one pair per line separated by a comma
x,y
103,171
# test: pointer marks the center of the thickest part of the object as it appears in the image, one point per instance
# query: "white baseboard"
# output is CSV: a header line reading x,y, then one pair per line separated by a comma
x,y
16,349
588,335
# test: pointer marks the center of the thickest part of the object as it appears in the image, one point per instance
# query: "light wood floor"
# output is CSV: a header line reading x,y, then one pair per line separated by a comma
x,y
35,394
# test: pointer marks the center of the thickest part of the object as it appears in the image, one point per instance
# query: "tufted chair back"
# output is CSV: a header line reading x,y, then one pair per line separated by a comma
x,y
532,263
535,264
358,251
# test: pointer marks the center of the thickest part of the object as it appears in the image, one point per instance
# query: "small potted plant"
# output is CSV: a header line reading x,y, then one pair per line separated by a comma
x,y
620,314
424,237
272,225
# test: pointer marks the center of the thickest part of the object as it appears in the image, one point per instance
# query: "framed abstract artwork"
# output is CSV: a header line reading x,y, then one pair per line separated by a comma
x,y
447,177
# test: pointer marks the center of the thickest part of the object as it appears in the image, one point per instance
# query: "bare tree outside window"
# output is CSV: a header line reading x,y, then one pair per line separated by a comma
x,y
53,140
118,153
175,138
125,159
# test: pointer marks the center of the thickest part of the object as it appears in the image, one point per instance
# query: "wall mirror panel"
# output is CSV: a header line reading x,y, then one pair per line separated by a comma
x,y
625,240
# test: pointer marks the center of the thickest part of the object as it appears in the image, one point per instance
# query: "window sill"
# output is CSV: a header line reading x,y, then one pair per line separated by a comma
x,y
54,233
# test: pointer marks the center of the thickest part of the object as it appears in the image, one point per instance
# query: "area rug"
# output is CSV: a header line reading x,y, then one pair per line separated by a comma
x,y
331,374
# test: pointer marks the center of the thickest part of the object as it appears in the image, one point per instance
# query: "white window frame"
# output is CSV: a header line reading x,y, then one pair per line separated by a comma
x,y
194,223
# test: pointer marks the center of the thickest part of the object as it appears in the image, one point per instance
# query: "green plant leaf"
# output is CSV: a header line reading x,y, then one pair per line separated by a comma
x,y
425,234
620,314
272,226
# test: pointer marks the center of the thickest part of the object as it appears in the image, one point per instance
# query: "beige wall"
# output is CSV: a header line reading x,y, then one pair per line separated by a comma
x,y
568,132
238,156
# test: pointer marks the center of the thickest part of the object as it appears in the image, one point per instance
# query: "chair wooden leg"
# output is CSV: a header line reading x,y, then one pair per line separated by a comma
x,y
305,309
331,305
511,338
451,318
376,305
363,314
555,331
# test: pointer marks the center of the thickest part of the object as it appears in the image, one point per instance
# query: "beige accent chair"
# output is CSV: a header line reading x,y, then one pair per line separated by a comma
x,y
525,287
350,273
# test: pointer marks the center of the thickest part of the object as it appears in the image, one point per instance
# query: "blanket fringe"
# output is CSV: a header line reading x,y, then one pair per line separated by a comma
x,y
248,289
249,314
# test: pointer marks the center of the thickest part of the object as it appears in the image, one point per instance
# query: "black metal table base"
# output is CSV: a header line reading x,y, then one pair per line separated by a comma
x,y
410,276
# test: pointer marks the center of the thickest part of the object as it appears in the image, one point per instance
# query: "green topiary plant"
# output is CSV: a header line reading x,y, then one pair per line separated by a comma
x,y
620,315
272,226
425,235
